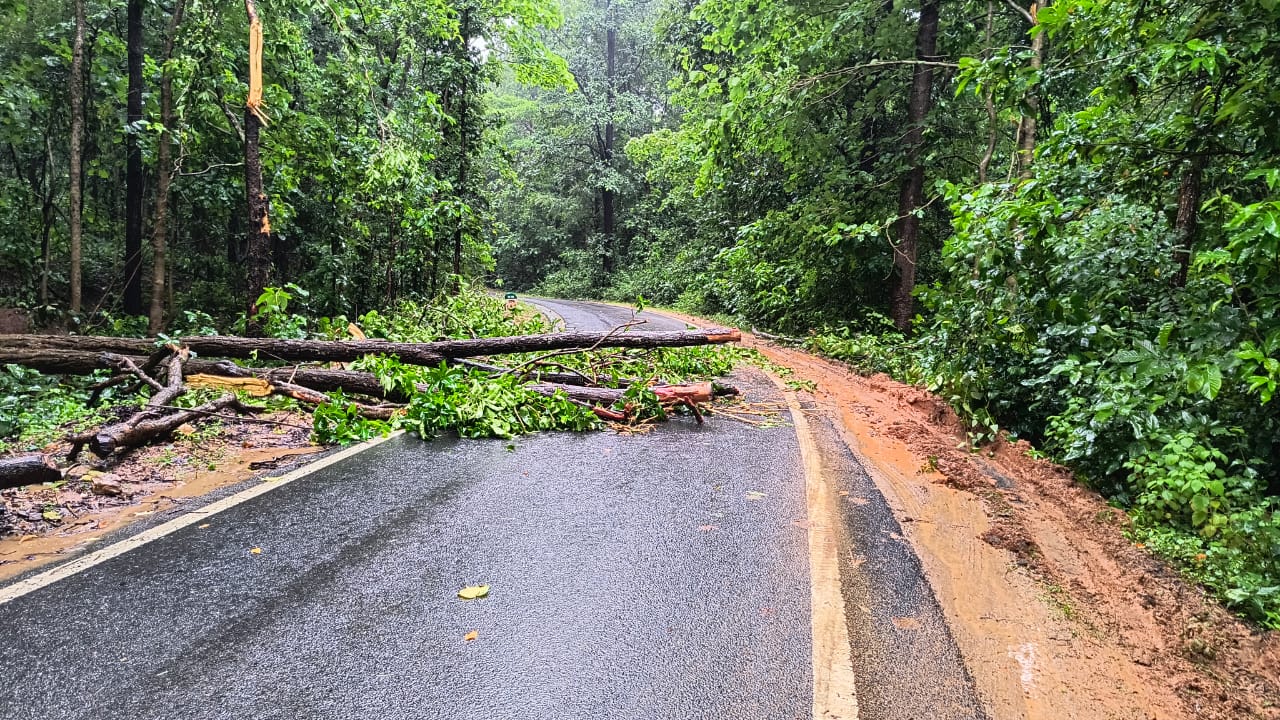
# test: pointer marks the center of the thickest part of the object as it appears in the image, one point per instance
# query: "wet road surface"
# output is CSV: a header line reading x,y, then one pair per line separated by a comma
x,y
652,576
590,317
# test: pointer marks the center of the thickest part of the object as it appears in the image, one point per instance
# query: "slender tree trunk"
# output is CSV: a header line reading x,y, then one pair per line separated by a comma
x,y
1188,223
392,251
1027,126
911,195
464,152
988,101
75,154
259,223
46,218
607,197
164,177
133,167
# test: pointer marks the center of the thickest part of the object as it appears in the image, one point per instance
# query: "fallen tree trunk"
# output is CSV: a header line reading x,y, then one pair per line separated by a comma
x,y
430,353
27,470
316,379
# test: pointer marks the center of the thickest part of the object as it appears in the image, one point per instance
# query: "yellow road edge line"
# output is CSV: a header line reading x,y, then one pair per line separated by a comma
x,y
835,695
35,582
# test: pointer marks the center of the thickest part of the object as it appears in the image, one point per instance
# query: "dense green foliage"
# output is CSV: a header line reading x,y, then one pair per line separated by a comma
x,y
375,158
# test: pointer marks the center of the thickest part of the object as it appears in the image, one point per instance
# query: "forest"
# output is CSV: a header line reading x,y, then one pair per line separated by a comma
x,y
1062,217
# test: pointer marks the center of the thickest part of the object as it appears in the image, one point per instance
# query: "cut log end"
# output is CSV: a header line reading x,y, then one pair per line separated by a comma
x,y
27,470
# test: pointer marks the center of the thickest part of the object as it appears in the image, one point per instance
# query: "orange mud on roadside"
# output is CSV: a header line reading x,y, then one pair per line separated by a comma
x,y
1057,614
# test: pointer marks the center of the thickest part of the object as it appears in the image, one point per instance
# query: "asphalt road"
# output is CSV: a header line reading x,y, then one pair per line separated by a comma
x,y
653,576
588,317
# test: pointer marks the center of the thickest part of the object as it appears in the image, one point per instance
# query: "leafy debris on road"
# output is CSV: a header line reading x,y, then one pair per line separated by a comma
x,y
473,592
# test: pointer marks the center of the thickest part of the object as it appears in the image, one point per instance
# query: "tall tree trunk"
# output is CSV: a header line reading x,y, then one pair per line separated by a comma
x,y
259,223
46,218
464,151
75,154
988,102
607,198
1188,222
133,166
911,195
164,176
1027,126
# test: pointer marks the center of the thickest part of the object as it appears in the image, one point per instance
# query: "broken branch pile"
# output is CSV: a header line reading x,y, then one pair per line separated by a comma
x,y
169,370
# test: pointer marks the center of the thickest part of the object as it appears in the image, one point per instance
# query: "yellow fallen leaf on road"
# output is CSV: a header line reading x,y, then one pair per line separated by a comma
x,y
471,636
473,592
256,551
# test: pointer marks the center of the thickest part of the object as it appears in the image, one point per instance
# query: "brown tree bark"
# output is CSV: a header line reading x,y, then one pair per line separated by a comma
x,y
164,176
911,195
75,154
1187,224
259,207
133,179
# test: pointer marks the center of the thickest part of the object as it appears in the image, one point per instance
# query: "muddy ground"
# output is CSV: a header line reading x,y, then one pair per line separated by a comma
x,y
44,522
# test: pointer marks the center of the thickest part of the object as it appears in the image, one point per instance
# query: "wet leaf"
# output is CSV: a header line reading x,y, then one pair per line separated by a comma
x,y
471,636
473,592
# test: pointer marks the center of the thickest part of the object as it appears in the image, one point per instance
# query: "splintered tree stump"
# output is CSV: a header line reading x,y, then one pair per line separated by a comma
x,y
27,470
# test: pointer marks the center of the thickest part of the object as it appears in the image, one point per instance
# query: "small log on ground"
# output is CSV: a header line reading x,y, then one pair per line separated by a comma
x,y
27,470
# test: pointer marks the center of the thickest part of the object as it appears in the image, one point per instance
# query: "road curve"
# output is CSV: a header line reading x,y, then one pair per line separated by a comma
x,y
590,316
663,575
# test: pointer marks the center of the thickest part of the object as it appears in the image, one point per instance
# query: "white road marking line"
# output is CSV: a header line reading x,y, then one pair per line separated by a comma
x,y
35,582
835,695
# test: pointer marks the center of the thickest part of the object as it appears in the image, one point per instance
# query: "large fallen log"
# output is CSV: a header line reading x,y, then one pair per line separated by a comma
x,y
430,353
27,470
